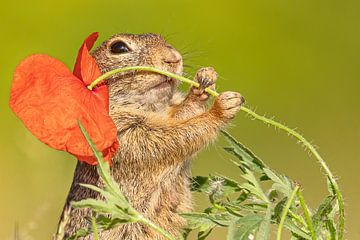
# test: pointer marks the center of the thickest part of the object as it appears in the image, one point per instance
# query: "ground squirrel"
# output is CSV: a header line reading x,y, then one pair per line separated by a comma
x,y
159,130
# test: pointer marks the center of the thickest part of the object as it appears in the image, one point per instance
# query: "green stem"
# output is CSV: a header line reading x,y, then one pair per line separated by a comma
x,y
306,214
155,227
149,69
298,218
95,229
290,131
285,212
322,162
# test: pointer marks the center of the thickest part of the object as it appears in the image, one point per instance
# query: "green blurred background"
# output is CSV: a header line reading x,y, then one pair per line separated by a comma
x,y
297,60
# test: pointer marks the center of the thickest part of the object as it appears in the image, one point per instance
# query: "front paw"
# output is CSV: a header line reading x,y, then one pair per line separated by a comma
x,y
206,77
227,104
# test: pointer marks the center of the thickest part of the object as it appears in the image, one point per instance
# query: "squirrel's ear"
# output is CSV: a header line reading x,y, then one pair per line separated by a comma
x,y
85,67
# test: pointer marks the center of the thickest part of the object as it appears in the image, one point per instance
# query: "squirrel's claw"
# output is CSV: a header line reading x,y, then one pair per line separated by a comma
x,y
206,77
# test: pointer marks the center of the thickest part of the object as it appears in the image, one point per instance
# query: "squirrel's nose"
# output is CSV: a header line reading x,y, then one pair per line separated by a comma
x,y
172,56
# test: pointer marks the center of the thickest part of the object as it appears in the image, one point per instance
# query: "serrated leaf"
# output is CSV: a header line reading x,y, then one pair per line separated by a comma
x,y
82,232
254,191
243,227
199,221
273,176
273,195
204,235
204,221
264,178
249,207
96,205
222,219
321,213
107,222
295,230
112,199
242,197
278,209
253,186
243,153
102,167
264,229
330,226
281,183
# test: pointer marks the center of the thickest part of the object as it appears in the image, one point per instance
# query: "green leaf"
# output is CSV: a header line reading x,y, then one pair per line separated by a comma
x,y
281,183
253,186
96,205
249,207
295,230
107,222
204,235
279,209
199,221
264,229
103,168
82,232
330,226
243,153
204,222
242,197
243,227
321,213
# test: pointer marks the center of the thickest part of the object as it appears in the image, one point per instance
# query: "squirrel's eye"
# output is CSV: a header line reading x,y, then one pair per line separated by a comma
x,y
119,47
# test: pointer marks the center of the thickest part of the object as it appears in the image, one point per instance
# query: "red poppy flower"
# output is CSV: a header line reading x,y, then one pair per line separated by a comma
x,y
49,100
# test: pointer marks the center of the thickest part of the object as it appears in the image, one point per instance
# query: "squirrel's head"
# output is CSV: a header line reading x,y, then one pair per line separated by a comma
x,y
139,87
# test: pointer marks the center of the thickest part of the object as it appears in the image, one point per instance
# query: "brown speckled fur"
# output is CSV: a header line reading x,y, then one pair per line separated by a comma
x,y
158,131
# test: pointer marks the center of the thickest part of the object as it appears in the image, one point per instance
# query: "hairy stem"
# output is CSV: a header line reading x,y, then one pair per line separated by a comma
x,y
306,214
256,116
149,69
322,162
285,211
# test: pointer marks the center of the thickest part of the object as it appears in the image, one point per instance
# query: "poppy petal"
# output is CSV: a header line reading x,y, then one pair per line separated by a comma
x,y
85,67
50,100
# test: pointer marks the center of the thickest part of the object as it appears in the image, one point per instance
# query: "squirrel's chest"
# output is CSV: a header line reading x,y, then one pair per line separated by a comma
x,y
152,191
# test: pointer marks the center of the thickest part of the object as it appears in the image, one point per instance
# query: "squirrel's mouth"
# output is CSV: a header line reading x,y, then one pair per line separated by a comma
x,y
165,82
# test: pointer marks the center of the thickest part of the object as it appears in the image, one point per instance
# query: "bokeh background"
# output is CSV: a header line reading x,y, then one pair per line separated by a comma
x,y
296,60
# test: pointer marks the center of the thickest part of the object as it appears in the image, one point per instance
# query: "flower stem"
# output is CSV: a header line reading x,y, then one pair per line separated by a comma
x,y
149,69
263,119
285,212
322,162
306,214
